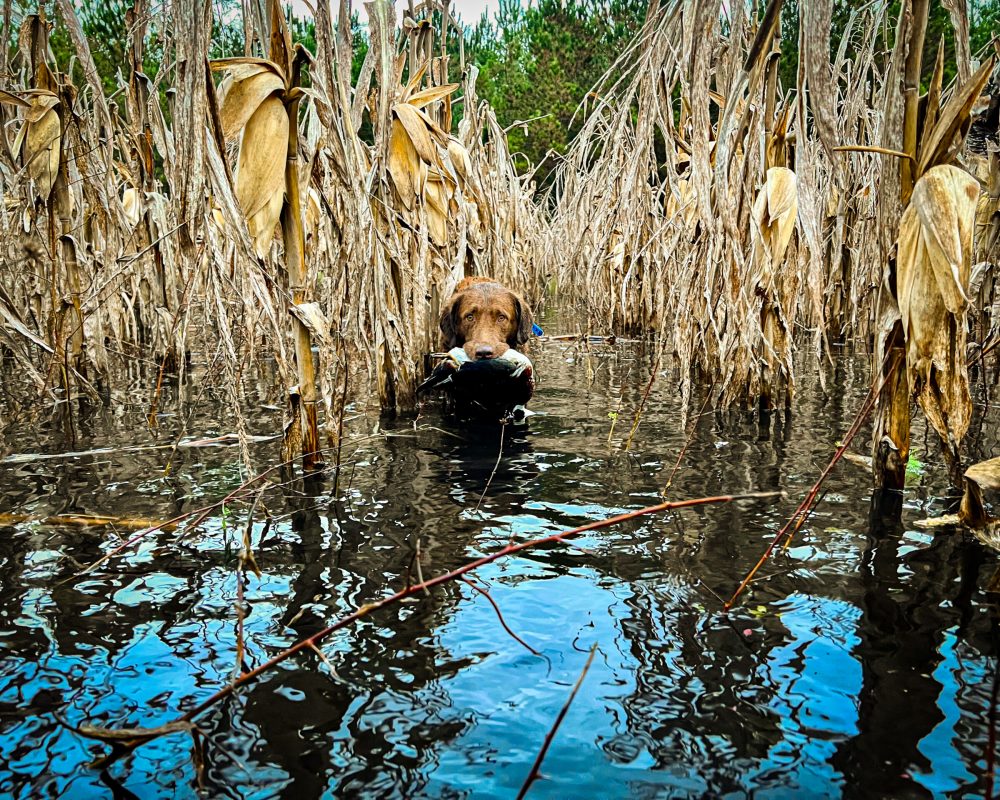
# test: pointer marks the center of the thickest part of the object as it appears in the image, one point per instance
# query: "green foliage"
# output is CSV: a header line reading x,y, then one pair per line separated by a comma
x,y
984,23
537,63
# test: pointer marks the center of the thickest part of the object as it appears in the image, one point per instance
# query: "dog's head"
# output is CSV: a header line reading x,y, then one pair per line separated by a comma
x,y
485,319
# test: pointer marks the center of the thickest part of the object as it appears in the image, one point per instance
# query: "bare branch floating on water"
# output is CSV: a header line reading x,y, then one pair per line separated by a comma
x,y
485,593
535,774
798,518
89,521
310,643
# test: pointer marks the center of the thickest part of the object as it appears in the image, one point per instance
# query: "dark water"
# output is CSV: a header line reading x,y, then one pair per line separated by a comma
x,y
861,664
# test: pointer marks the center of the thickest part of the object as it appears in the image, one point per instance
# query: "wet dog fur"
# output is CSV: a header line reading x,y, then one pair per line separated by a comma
x,y
485,318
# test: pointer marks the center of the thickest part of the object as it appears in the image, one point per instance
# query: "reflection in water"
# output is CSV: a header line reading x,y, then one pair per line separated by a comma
x,y
861,664
918,614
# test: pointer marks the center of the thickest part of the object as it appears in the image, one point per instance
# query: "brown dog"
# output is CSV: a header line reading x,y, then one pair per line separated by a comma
x,y
485,319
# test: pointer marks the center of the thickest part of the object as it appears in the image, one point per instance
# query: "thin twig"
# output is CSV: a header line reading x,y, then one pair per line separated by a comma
x,y
687,442
503,622
486,488
798,517
642,404
128,743
534,774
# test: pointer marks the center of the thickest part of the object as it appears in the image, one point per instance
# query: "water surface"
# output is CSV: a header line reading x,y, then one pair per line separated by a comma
x,y
860,664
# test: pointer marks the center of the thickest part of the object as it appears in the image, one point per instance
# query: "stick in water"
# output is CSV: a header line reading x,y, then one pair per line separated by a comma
x,y
534,774
125,743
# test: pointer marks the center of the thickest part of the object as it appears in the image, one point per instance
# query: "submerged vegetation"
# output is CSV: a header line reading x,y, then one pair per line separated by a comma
x,y
290,202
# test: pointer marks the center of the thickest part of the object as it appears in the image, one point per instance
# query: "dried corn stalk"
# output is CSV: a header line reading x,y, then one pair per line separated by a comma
x,y
772,226
932,134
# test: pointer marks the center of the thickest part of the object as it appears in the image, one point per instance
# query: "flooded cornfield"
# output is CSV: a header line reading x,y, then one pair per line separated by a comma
x,y
861,662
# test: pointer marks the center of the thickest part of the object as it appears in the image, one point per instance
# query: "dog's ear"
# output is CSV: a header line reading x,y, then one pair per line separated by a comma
x,y
525,322
449,323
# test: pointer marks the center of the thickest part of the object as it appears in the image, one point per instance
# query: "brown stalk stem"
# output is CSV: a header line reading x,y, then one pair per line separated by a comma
x,y
71,266
911,94
368,608
535,774
291,228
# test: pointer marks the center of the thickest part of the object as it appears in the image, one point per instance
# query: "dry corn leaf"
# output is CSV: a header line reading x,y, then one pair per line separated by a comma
x,y
281,48
13,99
413,83
433,128
416,129
45,81
932,276
41,151
432,95
932,101
406,169
244,97
242,67
984,475
936,143
311,315
681,201
314,212
260,177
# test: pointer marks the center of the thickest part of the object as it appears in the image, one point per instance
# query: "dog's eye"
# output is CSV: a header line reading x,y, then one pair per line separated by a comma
x,y
470,317
502,317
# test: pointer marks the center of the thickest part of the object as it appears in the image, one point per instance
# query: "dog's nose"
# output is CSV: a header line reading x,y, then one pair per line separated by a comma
x,y
484,351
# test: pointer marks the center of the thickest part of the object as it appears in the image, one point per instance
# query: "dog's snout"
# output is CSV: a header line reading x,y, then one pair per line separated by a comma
x,y
484,351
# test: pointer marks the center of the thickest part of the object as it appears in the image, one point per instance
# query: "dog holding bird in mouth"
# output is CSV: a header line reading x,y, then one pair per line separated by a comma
x,y
484,373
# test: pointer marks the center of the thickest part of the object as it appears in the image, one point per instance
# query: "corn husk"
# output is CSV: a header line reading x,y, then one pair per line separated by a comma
x,y
41,152
437,193
132,206
933,270
406,168
772,226
260,175
244,96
